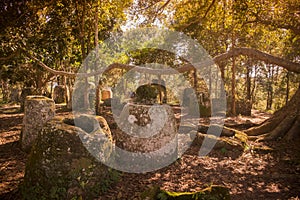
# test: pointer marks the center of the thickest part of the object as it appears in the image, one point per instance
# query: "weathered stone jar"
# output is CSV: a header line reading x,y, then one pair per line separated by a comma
x,y
148,136
146,128
61,167
38,110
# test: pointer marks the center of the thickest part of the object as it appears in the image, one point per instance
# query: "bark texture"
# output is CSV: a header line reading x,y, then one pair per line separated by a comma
x,y
285,122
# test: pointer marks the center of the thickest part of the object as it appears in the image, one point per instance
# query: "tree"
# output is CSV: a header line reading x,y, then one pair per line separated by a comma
x,y
58,32
271,28
286,121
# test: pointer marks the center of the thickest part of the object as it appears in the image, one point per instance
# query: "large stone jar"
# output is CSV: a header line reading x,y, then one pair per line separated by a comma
x,y
61,167
38,110
149,130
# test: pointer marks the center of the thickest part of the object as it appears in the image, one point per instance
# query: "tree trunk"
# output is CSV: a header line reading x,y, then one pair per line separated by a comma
x,y
195,78
248,82
287,92
233,111
96,78
69,93
98,98
270,78
5,90
222,69
82,43
285,122
233,81
253,86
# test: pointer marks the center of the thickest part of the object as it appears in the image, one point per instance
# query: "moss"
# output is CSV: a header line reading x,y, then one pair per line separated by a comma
x,y
240,135
233,137
262,149
38,183
146,94
37,98
213,192
230,144
78,164
151,193
60,167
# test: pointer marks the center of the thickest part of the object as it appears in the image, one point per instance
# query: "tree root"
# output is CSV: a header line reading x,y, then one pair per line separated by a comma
x,y
281,129
265,127
294,132
285,123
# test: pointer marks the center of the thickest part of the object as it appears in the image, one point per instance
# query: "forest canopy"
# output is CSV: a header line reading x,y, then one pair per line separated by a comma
x,y
59,34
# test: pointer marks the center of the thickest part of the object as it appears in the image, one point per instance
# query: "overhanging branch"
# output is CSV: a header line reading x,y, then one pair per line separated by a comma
x,y
10,56
258,55
253,53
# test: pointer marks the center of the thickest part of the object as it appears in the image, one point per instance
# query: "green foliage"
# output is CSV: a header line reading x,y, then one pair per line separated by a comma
x,y
268,26
81,174
60,33
152,193
205,111
57,192
151,55
112,178
38,192
224,150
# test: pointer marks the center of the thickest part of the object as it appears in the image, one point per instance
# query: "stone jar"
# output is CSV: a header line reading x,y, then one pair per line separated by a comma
x,y
38,110
61,164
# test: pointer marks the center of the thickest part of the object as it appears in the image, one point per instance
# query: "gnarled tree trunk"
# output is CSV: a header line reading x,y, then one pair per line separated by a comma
x,y
285,122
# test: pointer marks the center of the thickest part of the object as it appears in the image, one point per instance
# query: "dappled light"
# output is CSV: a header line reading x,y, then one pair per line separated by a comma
x,y
149,99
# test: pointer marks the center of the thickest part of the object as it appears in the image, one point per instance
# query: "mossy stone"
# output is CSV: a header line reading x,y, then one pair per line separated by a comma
x,y
147,94
60,167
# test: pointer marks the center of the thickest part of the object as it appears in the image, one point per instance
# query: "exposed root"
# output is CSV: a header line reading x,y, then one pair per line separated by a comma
x,y
284,124
294,132
265,127
282,128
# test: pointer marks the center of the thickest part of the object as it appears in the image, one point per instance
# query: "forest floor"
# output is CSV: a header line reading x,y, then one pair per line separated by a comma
x,y
273,173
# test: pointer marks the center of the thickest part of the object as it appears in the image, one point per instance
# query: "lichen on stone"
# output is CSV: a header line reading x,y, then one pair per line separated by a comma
x,y
61,167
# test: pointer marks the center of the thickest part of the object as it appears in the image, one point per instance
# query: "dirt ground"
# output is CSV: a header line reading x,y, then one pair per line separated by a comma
x,y
266,174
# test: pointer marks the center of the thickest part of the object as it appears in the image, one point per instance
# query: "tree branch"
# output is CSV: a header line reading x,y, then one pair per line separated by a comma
x,y
163,6
281,24
149,6
10,56
199,19
160,10
49,69
207,11
258,55
253,53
